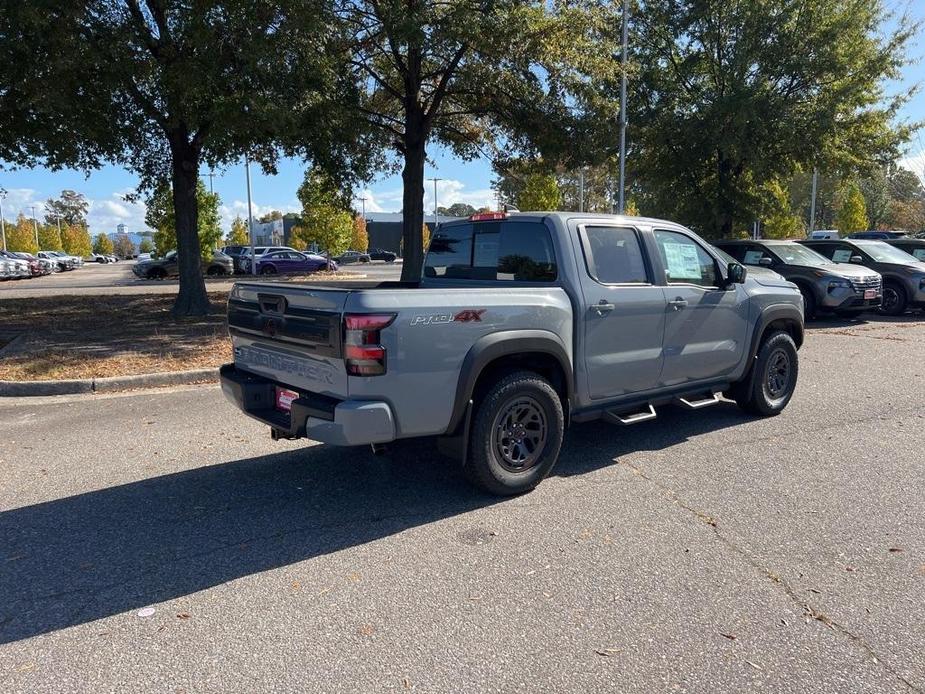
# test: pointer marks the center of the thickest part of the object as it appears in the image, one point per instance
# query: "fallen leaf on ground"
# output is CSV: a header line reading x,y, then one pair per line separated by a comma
x,y
183,615
607,652
896,549
731,637
757,667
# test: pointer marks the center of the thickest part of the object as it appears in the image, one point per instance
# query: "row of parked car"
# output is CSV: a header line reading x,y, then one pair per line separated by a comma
x,y
845,276
273,260
15,266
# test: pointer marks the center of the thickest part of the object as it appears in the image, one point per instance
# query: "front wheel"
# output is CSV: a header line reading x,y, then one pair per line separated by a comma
x,y
268,270
894,299
768,387
516,434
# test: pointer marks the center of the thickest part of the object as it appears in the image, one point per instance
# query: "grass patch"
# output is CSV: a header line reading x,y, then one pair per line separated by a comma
x,y
120,335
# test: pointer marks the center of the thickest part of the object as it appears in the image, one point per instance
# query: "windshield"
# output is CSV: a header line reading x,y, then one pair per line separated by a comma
x,y
171,255
885,253
796,254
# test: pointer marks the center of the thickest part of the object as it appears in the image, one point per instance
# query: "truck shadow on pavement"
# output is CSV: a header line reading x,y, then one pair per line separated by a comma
x,y
86,557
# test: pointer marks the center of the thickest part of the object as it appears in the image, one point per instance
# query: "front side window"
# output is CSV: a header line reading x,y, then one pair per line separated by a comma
x,y
508,251
685,261
613,255
754,254
842,254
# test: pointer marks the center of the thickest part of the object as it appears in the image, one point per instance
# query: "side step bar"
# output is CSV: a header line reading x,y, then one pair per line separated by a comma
x,y
712,399
627,418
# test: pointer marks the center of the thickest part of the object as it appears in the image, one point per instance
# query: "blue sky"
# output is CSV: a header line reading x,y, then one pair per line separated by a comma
x,y
468,182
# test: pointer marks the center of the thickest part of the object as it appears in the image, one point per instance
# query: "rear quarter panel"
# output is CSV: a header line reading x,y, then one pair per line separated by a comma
x,y
431,335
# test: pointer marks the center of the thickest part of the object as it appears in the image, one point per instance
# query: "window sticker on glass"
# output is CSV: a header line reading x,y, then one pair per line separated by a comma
x,y
682,260
842,255
752,257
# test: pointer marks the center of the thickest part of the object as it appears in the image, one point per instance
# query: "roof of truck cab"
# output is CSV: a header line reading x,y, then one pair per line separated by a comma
x,y
564,216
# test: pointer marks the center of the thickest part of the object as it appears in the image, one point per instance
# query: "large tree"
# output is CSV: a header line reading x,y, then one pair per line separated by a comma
x,y
70,208
162,86
326,220
470,75
728,96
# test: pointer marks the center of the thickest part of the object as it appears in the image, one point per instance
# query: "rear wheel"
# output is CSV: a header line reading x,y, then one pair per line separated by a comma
x,y
156,273
215,271
268,270
768,387
894,299
516,434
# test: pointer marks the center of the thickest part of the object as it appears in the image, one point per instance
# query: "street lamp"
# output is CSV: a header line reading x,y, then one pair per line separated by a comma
x,y
35,225
436,219
250,213
2,223
623,113
363,204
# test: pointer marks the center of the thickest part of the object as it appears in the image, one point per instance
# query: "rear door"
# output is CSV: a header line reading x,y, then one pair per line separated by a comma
x,y
290,334
623,321
705,325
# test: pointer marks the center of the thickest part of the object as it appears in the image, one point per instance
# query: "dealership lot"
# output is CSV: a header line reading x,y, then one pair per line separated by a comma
x,y
699,552
116,278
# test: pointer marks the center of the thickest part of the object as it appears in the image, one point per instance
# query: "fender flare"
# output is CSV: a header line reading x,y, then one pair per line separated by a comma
x,y
777,312
489,348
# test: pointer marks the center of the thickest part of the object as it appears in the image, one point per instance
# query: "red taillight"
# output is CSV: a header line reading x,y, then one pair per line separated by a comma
x,y
363,355
487,216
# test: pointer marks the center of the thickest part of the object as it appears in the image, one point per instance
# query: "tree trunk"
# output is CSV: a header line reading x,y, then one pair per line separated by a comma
x,y
192,299
413,196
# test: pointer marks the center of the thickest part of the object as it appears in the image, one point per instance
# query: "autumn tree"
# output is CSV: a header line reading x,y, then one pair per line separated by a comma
x,y
359,241
122,246
102,245
75,240
146,245
778,219
163,86
852,214
238,235
468,75
49,238
20,237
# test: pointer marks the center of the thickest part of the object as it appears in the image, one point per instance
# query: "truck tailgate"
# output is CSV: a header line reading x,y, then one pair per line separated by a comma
x,y
290,334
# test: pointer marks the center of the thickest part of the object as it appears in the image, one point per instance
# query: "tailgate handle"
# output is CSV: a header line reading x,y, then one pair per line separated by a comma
x,y
272,303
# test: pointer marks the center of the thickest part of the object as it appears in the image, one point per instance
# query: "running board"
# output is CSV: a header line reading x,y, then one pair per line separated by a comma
x,y
698,404
634,418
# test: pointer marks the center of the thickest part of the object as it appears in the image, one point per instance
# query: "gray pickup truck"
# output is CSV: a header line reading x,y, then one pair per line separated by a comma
x,y
520,324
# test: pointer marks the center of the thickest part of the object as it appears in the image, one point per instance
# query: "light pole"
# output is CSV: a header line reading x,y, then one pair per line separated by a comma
x,y
250,214
436,219
211,175
363,204
2,223
812,204
35,225
581,189
623,112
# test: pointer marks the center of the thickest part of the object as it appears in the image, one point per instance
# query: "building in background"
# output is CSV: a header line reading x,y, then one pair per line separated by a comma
x,y
384,229
121,229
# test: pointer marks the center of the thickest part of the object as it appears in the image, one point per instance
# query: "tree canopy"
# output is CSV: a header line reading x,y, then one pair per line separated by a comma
x,y
729,96
70,208
160,216
102,245
326,220
20,237
238,235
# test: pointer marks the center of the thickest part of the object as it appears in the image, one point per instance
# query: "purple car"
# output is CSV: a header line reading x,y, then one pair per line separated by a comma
x,y
292,262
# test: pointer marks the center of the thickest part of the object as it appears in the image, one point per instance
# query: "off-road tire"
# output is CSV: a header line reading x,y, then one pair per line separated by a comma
x,y
765,390
891,306
486,466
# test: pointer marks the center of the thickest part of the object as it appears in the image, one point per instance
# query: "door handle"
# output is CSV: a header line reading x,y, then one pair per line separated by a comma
x,y
678,304
603,306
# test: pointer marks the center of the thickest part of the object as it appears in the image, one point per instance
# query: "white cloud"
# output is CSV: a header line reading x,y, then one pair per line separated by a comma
x,y
449,191
238,208
915,164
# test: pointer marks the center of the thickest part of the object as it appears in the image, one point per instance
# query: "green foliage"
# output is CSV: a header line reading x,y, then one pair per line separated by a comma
x,y
75,240
325,219
359,241
852,214
457,209
270,216
49,238
731,96
71,207
629,207
146,246
160,217
540,192
20,237
238,235
102,245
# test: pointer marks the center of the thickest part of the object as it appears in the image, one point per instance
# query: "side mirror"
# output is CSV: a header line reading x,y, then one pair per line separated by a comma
x,y
735,273
766,262
857,260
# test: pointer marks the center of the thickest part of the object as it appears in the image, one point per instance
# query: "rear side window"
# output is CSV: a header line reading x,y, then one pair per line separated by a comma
x,y
613,255
506,251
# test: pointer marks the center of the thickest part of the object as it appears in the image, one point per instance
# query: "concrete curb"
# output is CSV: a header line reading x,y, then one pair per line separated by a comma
x,y
106,385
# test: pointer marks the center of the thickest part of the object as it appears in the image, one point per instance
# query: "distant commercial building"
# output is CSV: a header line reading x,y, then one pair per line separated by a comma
x,y
277,232
384,228
121,229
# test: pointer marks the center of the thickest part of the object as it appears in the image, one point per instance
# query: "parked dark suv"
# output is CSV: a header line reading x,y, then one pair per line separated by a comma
x,y
914,247
903,275
825,285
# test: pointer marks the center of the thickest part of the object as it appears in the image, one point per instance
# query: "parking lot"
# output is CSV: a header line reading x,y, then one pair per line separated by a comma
x,y
159,541
117,278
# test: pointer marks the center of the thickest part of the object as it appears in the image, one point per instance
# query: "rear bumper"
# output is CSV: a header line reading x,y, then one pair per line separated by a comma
x,y
314,416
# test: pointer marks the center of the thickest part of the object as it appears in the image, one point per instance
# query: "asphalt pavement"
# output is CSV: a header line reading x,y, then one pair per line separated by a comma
x,y
94,279
161,542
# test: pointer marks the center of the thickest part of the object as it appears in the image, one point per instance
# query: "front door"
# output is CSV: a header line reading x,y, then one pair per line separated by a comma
x,y
705,325
624,319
